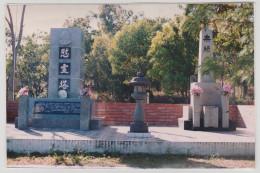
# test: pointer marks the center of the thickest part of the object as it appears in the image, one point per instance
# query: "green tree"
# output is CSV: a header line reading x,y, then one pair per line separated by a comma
x,y
128,52
33,64
113,17
84,24
174,55
98,70
97,66
233,32
236,37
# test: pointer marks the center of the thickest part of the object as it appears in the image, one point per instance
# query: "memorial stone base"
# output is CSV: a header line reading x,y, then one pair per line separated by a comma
x,y
206,120
210,116
96,123
139,127
55,113
64,123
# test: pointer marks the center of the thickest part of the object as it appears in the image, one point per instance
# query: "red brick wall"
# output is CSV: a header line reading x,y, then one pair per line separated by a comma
x,y
11,110
233,112
123,113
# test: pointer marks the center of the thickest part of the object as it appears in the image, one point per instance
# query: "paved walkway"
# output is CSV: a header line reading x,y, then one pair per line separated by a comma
x,y
119,133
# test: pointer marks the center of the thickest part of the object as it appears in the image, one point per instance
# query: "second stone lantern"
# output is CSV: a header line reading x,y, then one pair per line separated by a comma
x,y
140,83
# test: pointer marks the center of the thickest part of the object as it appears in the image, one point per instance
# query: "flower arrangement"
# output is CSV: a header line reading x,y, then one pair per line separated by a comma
x,y
226,89
23,91
196,91
86,92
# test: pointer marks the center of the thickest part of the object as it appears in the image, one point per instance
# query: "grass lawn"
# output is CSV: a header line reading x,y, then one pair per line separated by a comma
x,y
129,160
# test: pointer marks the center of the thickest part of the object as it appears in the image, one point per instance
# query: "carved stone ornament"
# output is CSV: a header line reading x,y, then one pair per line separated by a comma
x,y
62,94
65,38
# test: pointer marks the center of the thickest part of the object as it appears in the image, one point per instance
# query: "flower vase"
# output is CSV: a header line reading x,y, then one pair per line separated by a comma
x,y
84,112
23,106
225,110
195,103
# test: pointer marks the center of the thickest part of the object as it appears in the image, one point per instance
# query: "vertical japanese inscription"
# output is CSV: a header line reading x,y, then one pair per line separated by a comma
x,y
64,52
207,38
64,68
64,84
207,43
205,51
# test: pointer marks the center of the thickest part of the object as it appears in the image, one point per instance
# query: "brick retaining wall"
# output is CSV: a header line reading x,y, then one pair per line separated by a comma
x,y
155,114
123,113
233,112
11,110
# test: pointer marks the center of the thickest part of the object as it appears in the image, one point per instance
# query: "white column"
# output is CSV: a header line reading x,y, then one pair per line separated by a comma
x,y
225,111
195,110
205,50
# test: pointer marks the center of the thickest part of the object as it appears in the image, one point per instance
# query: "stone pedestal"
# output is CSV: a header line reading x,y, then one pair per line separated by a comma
x,y
55,113
210,116
96,123
187,113
225,111
139,125
23,112
195,110
211,95
84,113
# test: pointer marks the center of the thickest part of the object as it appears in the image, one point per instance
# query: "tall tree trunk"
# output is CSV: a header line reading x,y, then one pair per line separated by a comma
x,y
182,96
186,97
223,73
15,48
245,89
12,79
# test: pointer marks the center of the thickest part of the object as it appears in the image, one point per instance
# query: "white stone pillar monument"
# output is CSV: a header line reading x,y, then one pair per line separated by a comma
x,y
211,95
205,50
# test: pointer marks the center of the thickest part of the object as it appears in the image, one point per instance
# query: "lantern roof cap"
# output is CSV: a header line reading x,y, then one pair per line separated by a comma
x,y
140,79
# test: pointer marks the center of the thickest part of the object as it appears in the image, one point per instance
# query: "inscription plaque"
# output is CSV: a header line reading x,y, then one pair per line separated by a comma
x,y
42,107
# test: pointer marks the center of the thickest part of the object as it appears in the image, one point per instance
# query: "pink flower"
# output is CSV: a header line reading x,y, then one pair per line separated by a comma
x,y
196,91
23,91
85,92
89,93
226,89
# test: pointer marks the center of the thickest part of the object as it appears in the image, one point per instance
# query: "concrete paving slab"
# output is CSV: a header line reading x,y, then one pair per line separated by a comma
x,y
163,140
173,134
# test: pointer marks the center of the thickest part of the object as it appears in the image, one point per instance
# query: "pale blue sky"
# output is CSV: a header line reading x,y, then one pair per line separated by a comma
x,y
44,17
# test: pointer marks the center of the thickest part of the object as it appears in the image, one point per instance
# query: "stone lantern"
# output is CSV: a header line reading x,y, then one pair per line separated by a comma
x,y
140,83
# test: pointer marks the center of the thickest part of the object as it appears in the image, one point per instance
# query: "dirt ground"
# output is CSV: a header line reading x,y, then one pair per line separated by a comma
x,y
129,160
